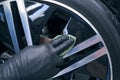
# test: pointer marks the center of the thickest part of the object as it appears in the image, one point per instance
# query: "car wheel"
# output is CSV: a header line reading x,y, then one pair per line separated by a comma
x,y
95,55
93,28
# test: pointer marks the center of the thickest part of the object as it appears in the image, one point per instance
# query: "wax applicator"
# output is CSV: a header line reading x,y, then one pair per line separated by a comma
x,y
65,52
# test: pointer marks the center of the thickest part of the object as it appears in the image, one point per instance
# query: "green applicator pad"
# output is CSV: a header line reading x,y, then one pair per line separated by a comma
x,y
65,52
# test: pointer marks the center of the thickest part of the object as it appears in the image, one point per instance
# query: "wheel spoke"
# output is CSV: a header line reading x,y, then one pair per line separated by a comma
x,y
91,41
42,14
24,19
39,13
65,30
31,7
83,61
11,26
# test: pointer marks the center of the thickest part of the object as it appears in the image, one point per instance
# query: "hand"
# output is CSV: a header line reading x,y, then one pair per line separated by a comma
x,y
36,62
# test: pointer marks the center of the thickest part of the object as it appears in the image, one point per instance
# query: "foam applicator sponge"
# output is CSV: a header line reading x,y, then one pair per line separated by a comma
x,y
66,51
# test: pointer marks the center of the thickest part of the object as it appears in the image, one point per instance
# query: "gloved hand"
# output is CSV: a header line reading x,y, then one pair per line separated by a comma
x,y
36,62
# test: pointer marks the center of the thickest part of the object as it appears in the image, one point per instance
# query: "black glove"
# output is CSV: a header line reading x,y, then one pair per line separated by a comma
x,y
36,62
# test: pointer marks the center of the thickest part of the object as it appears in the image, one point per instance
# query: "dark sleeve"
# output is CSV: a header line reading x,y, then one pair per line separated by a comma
x,y
30,64
36,62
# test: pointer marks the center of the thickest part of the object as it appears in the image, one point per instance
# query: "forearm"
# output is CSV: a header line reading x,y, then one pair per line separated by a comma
x,y
36,62
29,65
14,68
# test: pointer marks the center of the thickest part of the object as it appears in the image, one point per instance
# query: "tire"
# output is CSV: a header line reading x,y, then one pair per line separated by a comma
x,y
94,11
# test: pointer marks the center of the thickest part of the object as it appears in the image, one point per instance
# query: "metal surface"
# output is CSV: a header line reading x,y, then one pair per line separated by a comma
x,y
87,21
39,13
65,31
79,47
83,62
11,26
25,22
36,5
